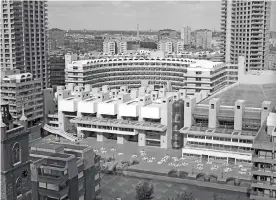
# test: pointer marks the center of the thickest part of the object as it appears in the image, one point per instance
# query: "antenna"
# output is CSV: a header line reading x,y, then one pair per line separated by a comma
x,y
138,36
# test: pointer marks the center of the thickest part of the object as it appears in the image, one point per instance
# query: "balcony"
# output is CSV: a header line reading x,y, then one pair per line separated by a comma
x,y
52,193
52,179
261,196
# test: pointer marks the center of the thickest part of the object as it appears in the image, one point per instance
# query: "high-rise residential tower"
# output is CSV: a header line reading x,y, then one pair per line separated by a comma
x,y
186,35
204,38
246,26
24,37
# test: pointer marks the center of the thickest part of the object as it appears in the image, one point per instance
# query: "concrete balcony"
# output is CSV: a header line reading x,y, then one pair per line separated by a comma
x,y
128,110
68,105
260,196
151,112
108,107
56,180
52,193
262,184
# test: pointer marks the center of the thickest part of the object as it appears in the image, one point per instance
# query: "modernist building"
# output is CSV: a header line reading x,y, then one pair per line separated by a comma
x,y
15,163
109,47
246,27
186,35
56,70
180,47
64,171
204,39
166,45
122,46
226,125
23,92
167,34
24,38
194,75
142,115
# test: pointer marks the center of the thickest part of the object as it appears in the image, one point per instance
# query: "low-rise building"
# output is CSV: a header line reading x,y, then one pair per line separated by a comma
x,y
64,171
225,126
141,115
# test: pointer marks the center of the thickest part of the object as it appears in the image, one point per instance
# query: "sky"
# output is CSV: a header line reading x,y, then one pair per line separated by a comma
x,y
150,15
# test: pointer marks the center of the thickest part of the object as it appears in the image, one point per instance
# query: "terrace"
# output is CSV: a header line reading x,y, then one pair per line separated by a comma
x,y
119,123
254,95
226,132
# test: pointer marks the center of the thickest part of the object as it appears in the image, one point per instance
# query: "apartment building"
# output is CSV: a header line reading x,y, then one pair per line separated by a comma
x,y
15,163
24,38
122,47
23,94
64,171
263,171
180,47
56,70
205,75
204,39
109,47
186,35
166,46
246,27
193,75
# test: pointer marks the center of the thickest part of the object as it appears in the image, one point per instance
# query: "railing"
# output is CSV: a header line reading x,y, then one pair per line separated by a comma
x,y
60,133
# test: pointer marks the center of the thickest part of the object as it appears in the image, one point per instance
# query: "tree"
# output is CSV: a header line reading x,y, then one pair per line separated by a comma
x,y
144,191
184,196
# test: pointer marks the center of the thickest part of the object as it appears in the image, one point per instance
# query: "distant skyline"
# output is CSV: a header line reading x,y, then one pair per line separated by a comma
x,y
125,15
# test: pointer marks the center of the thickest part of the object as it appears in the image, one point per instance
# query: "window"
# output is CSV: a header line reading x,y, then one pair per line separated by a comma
x,y
16,153
80,175
238,107
18,186
97,188
97,176
212,106
187,104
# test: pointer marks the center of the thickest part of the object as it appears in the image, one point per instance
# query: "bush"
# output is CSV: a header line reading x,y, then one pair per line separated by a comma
x,y
144,191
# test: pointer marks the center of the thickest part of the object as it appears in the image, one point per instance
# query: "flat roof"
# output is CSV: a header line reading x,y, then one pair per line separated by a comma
x,y
253,94
46,146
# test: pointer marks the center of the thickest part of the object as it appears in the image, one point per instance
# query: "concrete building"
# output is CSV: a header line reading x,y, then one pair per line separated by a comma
x,y
64,171
204,39
197,74
246,26
141,115
24,38
263,171
109,47
180,47
166,46
226,125
56,70
23,92
122,46
166,34
15,163
186,35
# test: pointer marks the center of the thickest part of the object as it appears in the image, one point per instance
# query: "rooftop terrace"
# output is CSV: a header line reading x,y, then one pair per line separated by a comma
x,y
254,95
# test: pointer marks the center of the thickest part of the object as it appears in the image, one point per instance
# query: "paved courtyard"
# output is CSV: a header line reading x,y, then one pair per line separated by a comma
x,y
163,160
124,187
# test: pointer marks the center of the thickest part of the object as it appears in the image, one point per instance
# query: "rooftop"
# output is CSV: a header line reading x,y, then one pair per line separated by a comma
x,y
254,95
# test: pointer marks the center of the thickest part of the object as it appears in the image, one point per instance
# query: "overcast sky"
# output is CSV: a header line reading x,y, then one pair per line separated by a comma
x,y
125,15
